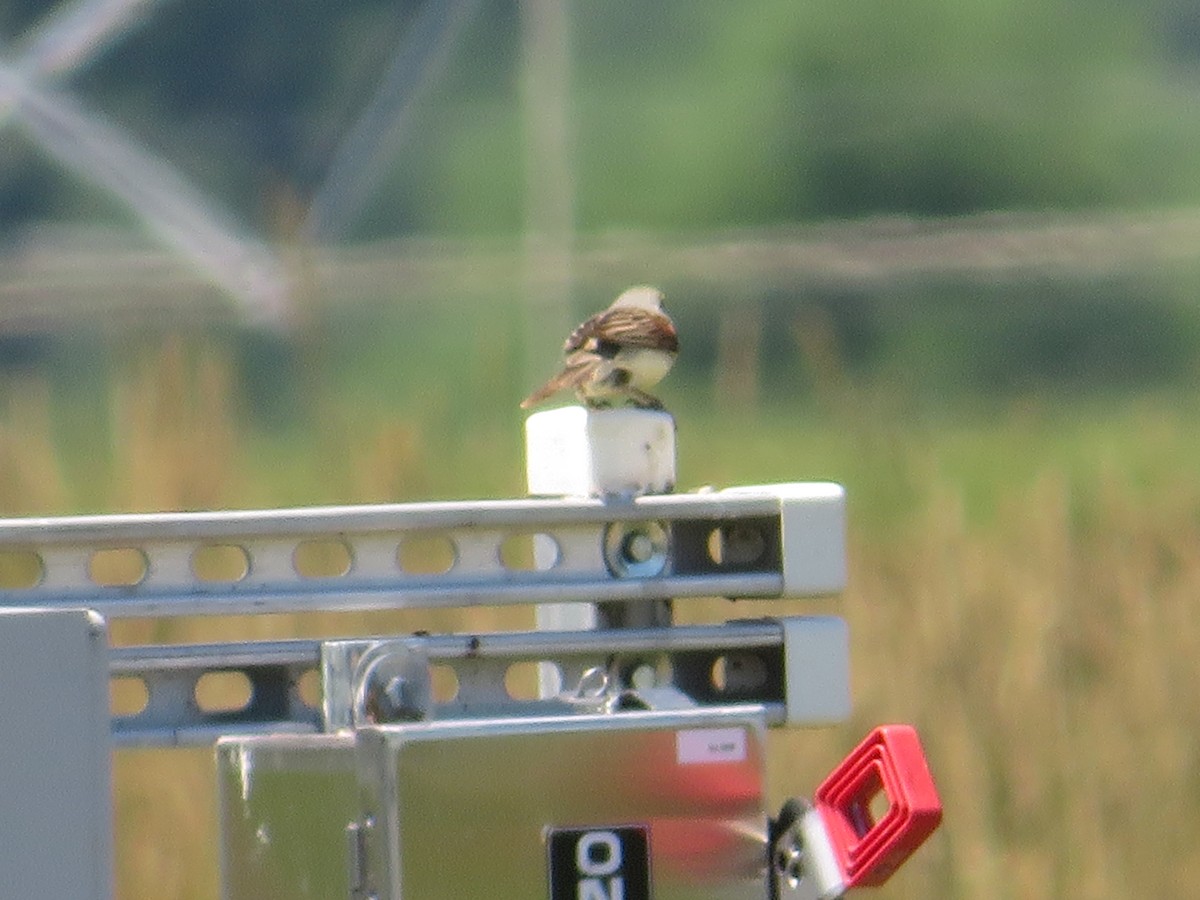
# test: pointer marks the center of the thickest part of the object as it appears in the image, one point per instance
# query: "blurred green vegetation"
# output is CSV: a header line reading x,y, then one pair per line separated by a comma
x,y
684,114
685,117
444,373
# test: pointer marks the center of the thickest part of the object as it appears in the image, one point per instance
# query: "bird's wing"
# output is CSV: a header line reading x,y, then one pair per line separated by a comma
x,y
623,327
581,335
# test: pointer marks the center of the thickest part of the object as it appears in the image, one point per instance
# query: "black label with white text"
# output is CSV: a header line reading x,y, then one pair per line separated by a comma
x,y
602,863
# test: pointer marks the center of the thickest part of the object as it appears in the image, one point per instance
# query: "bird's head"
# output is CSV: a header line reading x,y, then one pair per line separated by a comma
x,y
641,297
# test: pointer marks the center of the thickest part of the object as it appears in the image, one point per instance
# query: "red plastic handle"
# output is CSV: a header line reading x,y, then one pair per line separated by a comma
x,y
888,763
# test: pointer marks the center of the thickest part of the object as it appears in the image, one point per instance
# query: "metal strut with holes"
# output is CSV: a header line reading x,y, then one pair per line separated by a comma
x,y
715,544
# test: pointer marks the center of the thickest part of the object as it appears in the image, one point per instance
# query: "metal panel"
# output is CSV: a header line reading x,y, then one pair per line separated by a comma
x,y
159,554
55,768
284,804
466,809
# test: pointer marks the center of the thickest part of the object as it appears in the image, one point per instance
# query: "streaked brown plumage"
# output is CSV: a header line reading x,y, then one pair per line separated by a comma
x,y
617,355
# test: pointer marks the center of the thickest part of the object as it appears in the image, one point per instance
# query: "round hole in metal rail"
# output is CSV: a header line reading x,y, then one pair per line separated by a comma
x,y
223,692
736,544
20,569
444,681
220,562
427,554
524,552
308,687
127,695
521,679
118,567
738,673
322,558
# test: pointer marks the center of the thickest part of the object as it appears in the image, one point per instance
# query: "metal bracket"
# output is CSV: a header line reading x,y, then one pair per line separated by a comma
x,y
803,863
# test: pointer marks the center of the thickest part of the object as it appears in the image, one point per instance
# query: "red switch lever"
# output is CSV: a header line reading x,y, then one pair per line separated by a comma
x,y
871,846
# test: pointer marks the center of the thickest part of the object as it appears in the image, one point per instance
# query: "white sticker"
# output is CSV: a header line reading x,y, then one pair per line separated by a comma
x,y
710,745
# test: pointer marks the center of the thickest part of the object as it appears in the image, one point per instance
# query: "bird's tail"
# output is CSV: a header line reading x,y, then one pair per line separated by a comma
x,y
539,395
569,377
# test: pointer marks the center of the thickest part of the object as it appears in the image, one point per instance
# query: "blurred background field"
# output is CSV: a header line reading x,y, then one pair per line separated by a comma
x,y
1024,565
946,255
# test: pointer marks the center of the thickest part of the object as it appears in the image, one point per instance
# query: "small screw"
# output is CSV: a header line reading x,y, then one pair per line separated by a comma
x,y
789,859
393,685
394,691
394,703
639,547
639,550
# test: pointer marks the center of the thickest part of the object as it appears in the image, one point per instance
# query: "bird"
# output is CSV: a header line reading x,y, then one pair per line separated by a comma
x,y
617,355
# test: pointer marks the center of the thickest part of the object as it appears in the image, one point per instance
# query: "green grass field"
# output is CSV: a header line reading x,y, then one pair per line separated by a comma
x,y
1024,576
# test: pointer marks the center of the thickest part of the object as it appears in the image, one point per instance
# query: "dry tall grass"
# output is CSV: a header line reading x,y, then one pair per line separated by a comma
x,y
1050,662
1044,639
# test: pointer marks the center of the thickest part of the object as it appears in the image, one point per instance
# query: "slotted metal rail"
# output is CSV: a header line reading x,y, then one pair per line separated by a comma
x,y
725,544
774,541
479,663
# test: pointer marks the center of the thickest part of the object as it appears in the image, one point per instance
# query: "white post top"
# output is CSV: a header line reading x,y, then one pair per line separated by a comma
x,y
579,452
